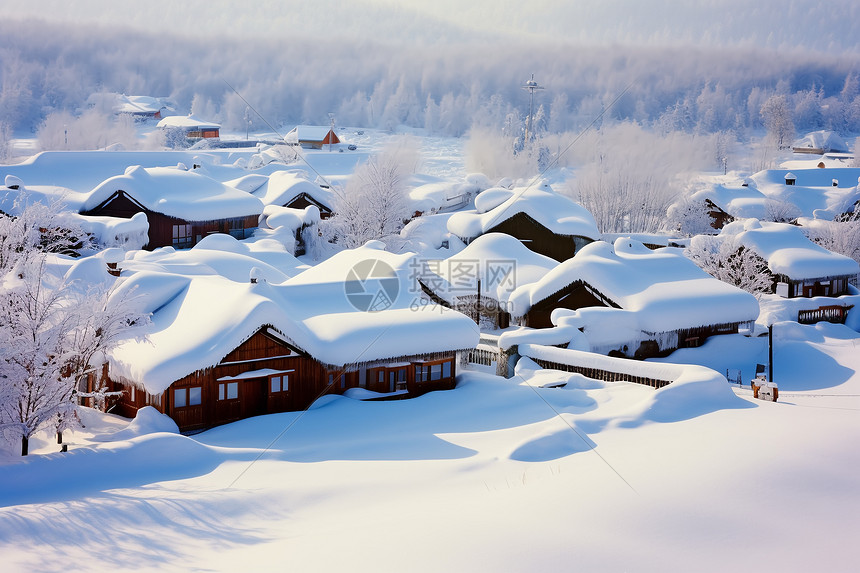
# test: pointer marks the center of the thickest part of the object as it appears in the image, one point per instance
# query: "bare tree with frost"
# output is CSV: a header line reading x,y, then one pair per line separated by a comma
x,y
374,204
723,258
53,330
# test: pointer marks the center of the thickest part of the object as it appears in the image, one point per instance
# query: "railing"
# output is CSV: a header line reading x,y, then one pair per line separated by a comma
x,y
600,367
833,313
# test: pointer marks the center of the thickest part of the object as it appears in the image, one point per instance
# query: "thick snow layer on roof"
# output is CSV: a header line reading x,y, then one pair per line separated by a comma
x,y
248,183
275,217
319,318
284,186
187,195
501,262
81,171
789,252
813,192
664,288
129,234
187,122
557,213
219,254
827,141
13,200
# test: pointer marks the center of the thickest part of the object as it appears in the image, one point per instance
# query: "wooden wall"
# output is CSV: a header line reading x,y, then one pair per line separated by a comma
x,y
254,395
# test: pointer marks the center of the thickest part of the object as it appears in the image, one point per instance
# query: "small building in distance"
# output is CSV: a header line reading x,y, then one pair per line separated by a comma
x,y
190,127
311,136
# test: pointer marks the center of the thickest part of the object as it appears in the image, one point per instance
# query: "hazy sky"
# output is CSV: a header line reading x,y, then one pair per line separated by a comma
x,y
776,24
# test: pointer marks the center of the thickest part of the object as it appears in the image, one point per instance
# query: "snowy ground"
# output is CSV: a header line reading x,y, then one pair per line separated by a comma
x,y
496,475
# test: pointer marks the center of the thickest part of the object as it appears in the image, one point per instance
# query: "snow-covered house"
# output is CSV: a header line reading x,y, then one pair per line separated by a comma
x,y
191,127
649,302
181,206
311,136
544,221
272,347
799,267
819,143
478,280
292,188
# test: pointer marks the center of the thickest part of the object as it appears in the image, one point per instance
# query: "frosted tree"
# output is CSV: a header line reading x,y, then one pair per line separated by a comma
x,y
373,204
690,217
777,117
841,236
725,259
780,211
5,142
53,330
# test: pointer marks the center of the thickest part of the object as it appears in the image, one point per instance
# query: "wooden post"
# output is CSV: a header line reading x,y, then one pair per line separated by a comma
x,y
770,353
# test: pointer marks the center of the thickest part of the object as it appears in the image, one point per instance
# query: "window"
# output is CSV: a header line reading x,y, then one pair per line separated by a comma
x,y
343,380
183,397
228,391
446,370
132,394
195,396
435,372
330,379
381,376
182,236
280,383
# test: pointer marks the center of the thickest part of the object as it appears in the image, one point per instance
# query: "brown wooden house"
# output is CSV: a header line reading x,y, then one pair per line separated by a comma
x,y
181,206
218,350
634,301
266,374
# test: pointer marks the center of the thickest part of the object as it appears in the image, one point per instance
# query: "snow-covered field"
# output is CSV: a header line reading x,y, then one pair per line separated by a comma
x,y
496,475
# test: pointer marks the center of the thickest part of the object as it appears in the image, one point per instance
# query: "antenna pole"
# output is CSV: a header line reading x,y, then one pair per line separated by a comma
x,y
530,86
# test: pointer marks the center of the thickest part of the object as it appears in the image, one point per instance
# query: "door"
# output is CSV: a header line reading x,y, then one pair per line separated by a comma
x,y
254,397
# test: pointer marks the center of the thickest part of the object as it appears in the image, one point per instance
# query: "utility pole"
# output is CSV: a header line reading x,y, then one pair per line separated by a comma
x,y
331,130
530,86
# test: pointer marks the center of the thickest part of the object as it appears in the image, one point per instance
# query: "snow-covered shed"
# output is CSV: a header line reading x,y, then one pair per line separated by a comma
x,y
272,347
671,301
181,206
311,136
799,266
192,127
544,221
479,279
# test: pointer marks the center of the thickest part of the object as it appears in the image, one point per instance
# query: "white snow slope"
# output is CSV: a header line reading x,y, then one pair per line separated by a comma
x,y
496,475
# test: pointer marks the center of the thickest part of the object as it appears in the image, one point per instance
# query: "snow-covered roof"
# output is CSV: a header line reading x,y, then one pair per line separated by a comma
x,y
139,104
307,133
557,213
823,140
219,254
281,187
812,195
500,261
789,252
179,193
187,122
666,290
320,318
276,217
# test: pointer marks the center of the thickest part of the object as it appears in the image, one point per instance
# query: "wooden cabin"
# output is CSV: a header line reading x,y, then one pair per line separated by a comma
x,y
539,238
266,375
632,301
218,350
169,197
191,127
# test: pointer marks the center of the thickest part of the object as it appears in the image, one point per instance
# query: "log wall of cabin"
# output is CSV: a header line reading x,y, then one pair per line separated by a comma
x,y
208,400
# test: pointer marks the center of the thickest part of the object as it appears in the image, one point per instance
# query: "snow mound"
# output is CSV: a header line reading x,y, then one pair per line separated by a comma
x,y
148,421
